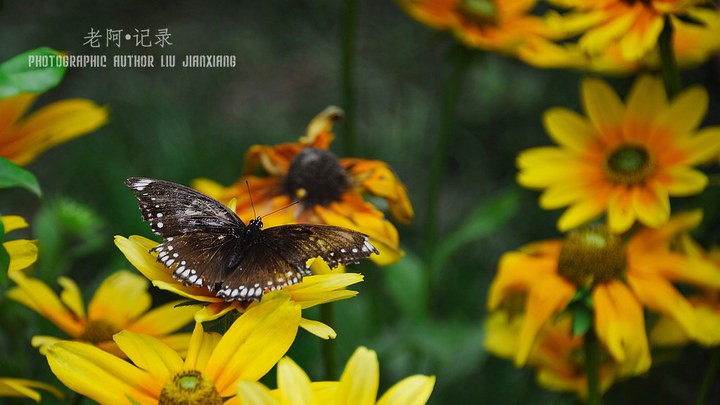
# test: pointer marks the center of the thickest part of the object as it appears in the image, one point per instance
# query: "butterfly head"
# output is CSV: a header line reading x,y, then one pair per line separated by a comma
x,y
255,224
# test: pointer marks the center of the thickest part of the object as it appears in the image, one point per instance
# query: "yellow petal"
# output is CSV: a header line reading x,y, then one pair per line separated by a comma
x,y
318,329
121,298
71,297
13,222
501,333
413,390
686,111
136,249
705,145
101,376
253,393
201,347
323,288
149,353
23,253
569,129
215,310
651,204
602,105
12,108
621,214
579,214
660,295
52,125
359,380
42,342
685,181
254,342
17,387
646,100
293,383
164,319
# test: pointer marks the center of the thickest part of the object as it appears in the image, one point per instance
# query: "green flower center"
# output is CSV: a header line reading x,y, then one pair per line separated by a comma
x,y
592,256
629,164
99,331
189,387
481,12
315,177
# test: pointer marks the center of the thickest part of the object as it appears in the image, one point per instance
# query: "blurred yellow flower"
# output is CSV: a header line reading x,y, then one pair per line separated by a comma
x,y
633,26
358,385
622,160
622,278
158,374
330,190
312,290
485,24
23,139
17,387
122,302
23,252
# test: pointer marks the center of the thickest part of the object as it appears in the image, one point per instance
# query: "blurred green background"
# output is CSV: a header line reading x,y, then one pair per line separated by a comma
x,y
182,123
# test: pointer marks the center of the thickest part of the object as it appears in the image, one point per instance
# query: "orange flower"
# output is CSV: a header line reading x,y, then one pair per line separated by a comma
x,y
22,140
120,303
621,279
625,160
330,190
485,24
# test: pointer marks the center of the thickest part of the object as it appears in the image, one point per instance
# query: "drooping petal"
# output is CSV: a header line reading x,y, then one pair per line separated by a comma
x,y
323,288
17,387
149,353
293,383
164,319
122,297
13,222
318,329
660,295
71,297
23,253
255,342
359,380
101,376
12,108
413,390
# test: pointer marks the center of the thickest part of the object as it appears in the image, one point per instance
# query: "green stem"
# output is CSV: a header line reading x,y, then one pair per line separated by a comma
x,y
668,64
709,378
347,74
461,60
592,364
327,316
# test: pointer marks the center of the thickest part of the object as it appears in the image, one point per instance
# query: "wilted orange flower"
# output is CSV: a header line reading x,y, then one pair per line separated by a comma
x,y
330,190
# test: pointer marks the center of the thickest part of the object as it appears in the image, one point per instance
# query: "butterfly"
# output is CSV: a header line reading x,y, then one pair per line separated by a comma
x,y
207,244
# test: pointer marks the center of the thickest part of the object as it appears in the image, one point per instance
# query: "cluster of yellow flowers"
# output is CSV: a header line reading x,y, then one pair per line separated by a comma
x,y
616,168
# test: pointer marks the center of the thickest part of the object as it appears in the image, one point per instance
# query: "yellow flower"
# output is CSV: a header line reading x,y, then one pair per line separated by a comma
x,y
23,139
120,303
557,358
313,290
632,26
622,160
17,387
621,278
158,374
358,385
22,252
330,190
486,24
705,302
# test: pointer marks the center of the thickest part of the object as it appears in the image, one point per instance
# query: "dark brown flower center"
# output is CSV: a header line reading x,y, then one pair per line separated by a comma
x,y
629,164
99,331
315,177
592,256
481,12
189,387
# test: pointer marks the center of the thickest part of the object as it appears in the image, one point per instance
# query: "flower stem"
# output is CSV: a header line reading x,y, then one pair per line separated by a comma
x,y
461,60
592,364
347,74
668,64
327,316
709,378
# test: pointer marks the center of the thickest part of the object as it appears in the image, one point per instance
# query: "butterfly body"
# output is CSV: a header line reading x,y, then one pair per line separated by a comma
x,y
207,244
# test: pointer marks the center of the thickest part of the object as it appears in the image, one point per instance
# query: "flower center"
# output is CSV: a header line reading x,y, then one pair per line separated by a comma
x,y
99,331
592,256
481,12
315,177
629,164
189,387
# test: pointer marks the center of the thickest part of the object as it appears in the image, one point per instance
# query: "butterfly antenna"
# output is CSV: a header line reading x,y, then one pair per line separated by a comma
x,y
280,209
251,201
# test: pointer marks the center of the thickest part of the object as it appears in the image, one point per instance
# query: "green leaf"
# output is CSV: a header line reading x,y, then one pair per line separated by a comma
x,y
12,175
18,76
405,282
4,255
486,220
582,318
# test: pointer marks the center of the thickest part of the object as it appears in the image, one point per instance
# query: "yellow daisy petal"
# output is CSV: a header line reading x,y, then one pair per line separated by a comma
x,y
149,354
99,375
12,108
602,105
646,100
661,296
201,347
323,288
293,383
704,146
652,205
620,213
568,129
413,390
164,319
252,393
17,387
578,214
686,111
71,297
23,253
13,222
121,286
318,329
685,181
359,380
